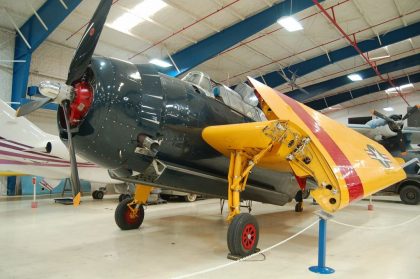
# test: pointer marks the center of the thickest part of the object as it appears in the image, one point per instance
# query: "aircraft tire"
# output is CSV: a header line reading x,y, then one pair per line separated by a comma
x,y
410,194
242,235
190,198
94,194
99,195
124,218
299,207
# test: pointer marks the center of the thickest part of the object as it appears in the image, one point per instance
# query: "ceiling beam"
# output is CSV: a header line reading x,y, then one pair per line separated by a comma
x,y
318,62
322,87
198,53
336,99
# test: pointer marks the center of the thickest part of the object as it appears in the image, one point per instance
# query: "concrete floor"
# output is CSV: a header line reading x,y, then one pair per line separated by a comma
x,y
58,241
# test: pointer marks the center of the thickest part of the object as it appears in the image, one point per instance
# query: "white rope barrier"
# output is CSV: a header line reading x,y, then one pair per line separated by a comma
x,y
248,257
378,227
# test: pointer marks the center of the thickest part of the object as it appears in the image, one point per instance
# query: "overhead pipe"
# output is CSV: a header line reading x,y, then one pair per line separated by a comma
x,y
353,42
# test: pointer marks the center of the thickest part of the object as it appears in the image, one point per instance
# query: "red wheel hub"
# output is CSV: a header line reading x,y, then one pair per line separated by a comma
x,y
249,235
130,217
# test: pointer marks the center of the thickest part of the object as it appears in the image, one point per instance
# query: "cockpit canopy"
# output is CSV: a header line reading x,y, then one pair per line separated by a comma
x,y
199,78
241,99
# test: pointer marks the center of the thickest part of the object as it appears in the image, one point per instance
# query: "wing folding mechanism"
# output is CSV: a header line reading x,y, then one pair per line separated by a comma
x,y
346,165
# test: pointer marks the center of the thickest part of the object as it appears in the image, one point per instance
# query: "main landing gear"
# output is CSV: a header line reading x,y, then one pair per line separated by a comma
x,y
129,213
243,232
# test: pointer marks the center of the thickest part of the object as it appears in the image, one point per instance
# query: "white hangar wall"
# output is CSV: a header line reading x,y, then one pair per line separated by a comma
x,y
7,46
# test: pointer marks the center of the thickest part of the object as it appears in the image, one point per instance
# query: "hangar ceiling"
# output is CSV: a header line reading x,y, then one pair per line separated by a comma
x,y
317,55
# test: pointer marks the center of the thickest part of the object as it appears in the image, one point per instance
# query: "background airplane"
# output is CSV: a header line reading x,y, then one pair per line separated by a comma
x,y
391,130
27,150
149,128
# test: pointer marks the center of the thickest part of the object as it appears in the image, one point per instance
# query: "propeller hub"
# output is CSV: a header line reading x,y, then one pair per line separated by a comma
x,y
56,91
81,103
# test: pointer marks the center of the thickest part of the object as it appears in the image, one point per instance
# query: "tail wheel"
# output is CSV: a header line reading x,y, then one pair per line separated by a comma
x,y
243,234
125,218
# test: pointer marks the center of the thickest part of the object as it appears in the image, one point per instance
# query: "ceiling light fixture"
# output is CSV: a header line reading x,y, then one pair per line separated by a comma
x,y
399,88
160,63
137,15
355,77
388,109
289,23
380,57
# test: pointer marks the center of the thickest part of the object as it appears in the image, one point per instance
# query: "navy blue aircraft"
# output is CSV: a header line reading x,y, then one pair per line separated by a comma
x,y
145,127
152,130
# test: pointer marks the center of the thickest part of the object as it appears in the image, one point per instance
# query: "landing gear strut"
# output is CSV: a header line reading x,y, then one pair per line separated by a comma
x,y
299,201
243,232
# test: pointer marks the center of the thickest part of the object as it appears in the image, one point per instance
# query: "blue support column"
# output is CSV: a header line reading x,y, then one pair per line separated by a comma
x,y
52,13
322,250
198,53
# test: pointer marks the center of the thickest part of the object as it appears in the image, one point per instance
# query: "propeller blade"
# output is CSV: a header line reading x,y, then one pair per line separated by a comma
x,y
383,116
410,112
75,182
88,42
31,106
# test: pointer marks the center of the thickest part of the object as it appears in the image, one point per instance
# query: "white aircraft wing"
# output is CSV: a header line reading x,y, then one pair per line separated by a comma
x,y
26,149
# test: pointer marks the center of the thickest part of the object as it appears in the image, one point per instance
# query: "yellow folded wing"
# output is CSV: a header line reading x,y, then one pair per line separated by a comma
x,y
346,165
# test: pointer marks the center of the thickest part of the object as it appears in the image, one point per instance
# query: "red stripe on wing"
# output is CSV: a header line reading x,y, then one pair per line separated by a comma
x,y
353,181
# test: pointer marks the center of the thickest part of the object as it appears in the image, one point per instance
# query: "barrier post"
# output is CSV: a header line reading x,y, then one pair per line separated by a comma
x,y
34,202
322,245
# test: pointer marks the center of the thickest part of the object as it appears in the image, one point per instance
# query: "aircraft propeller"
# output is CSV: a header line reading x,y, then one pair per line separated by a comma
x,y
64,94
396,125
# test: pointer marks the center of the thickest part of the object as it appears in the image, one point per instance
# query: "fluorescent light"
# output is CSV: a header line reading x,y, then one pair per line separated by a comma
x,y
355,77
399,88
388,109
160,63
289,23
125,22
408,85
380,57
137,14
